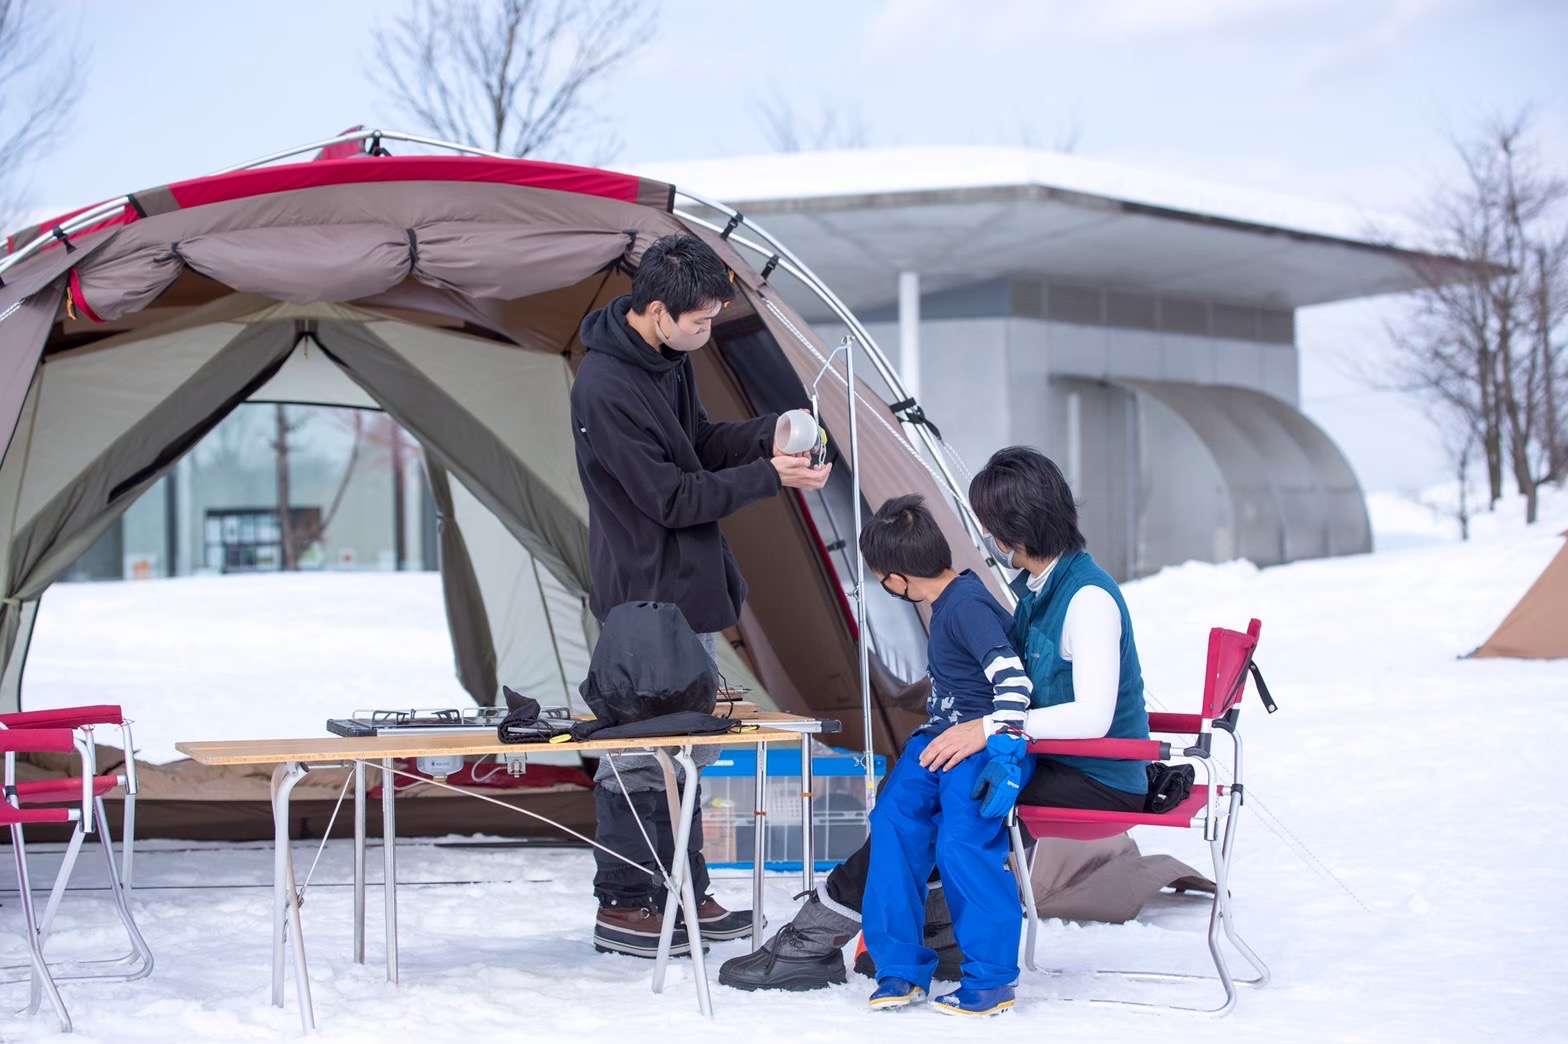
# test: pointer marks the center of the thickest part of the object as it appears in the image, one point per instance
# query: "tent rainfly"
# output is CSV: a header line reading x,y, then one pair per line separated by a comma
x,y
1537,628
446,290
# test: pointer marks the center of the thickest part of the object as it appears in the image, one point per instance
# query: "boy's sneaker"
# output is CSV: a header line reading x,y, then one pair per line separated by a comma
x,y
634,931
893,992
966,1000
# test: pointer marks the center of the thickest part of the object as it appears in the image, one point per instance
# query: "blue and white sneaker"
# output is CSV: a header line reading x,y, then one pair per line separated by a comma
x,y
893,992
966,1000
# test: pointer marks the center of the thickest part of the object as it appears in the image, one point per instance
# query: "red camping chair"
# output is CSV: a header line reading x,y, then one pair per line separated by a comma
x,y
84,719
90,788
40,741
1210,806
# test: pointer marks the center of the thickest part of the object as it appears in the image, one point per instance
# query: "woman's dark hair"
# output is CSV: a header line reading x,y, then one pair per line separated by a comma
x,y
684,273
1023,501
903,538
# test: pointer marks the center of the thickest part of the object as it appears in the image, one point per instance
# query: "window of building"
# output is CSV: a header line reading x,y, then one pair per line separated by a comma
x,y
249,540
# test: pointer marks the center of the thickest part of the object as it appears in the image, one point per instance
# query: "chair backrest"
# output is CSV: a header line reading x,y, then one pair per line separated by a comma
x,y
1225,676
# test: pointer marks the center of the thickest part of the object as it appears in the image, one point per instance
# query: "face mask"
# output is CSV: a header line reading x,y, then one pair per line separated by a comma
x,y
679,340
904,594
992,548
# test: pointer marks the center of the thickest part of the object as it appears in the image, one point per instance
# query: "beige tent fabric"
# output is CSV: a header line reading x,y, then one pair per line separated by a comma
x,y
44,545
1537,628
468,622
1107,880
462,443
28,325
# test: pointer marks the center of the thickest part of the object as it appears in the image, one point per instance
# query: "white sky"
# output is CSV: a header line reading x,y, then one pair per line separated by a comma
x,y
1336,100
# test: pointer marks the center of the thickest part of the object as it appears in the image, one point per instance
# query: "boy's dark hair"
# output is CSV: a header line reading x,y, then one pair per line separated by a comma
x,y
683,272
1023,501
904,538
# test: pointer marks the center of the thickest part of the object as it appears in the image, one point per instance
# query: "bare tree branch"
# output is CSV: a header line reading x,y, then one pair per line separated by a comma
x,y
512,76
786,129
40,86
1485,337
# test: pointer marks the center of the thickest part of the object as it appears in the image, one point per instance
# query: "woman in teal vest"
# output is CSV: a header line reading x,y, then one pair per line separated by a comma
x,y
1072,628
1073,631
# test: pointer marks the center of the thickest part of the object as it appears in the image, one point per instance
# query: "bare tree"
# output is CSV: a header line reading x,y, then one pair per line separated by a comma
x,y
1485,337
282,429
40,85
512,76
787,129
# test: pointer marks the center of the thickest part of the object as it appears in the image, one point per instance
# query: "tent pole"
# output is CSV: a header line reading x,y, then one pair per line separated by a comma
x,y
820,290
861,631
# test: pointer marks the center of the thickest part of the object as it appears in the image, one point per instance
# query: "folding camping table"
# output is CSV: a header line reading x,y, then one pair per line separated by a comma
x,y
294,758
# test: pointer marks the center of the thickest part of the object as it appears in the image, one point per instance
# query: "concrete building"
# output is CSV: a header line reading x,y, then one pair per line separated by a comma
x,y
1138,329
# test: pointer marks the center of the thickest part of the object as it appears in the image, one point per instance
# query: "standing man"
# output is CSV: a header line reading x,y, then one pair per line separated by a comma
x,y
659,475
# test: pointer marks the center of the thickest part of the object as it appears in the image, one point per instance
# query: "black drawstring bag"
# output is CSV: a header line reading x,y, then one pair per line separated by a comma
x,y
1169,786
648,663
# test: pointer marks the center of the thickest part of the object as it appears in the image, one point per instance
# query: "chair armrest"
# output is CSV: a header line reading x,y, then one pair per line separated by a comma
x,y
37,741
1182,724
1115,749
64,717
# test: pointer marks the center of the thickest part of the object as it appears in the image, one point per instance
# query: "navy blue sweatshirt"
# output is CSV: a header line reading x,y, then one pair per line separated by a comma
x,y
659,475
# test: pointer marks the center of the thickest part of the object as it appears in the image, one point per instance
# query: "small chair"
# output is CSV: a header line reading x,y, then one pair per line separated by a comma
x,y
91,789
85,718
1211,805
40,741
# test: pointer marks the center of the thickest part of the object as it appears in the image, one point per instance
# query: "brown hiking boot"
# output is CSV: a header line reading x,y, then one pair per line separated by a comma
x,y
634,931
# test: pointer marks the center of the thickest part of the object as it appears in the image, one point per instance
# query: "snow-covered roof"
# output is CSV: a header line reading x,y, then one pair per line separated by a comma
x,y
926,169
963,215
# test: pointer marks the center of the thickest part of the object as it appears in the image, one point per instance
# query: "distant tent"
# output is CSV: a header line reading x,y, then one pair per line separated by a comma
x,y
1537,629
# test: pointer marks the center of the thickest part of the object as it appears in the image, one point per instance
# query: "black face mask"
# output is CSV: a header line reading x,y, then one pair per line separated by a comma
x,y
904,594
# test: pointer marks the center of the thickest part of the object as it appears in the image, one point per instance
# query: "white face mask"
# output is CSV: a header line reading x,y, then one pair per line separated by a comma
x,y
679,340
1003,558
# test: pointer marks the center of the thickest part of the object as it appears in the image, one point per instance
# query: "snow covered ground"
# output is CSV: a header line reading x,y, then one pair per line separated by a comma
x,y
1399,864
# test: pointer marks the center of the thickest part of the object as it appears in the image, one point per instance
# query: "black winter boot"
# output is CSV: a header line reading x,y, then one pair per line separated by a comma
x,y
805,954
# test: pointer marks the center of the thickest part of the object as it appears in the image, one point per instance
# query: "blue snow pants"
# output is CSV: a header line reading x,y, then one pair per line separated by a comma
x,y
923,818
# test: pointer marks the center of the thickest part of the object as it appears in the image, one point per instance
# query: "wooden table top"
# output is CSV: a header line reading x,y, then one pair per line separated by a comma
x,y
374,748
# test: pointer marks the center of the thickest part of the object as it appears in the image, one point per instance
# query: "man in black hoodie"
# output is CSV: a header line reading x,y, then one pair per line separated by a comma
x,y
659,475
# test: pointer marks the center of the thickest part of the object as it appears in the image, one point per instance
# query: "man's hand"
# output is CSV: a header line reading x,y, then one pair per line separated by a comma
x,y
1001,780
797,472
954,745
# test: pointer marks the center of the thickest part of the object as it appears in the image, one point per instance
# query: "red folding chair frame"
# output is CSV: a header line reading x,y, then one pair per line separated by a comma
x,y
40,731
1212,806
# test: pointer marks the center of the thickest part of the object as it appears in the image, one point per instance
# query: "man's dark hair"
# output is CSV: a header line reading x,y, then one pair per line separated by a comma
x,y
1023,501
904,538
684,273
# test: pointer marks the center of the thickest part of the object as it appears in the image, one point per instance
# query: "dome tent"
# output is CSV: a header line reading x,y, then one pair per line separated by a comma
x,y
447,291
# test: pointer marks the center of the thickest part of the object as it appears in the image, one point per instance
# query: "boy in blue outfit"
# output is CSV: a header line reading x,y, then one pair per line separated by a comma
x,y
954,819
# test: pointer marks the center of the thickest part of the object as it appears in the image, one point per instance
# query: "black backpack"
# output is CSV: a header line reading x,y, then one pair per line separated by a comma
x,y
648,663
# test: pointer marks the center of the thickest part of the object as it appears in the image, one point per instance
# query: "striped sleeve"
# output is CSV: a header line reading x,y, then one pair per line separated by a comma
x,y
1010,685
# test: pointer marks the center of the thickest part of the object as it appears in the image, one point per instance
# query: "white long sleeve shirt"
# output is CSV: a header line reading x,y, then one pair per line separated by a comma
x,y
1091,642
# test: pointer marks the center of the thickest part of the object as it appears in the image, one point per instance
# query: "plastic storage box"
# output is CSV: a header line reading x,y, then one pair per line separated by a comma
x,y
839,811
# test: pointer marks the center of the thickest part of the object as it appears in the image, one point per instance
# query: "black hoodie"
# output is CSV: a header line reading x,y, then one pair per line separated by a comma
x,y
659,475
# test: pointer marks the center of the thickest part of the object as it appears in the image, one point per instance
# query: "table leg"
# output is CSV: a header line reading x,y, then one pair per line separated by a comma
x,y
359,862
680,826
688,892
389,862
808,860
759,847
286,919
680,883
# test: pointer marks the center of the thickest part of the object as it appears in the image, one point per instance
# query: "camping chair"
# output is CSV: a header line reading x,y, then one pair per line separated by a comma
x,y
84,719
1211,806
40,741
91,788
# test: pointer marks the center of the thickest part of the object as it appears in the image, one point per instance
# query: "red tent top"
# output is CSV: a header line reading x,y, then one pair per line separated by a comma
x,y
257,181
